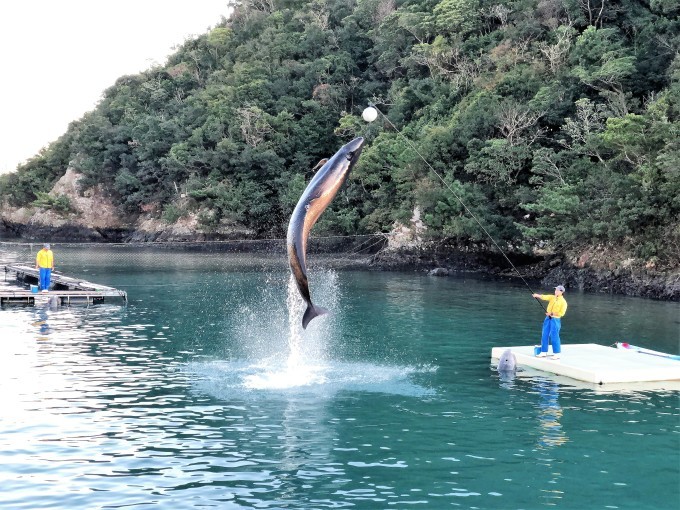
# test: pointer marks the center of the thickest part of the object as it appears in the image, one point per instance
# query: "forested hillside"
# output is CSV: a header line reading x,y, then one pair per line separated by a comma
x,y
556,121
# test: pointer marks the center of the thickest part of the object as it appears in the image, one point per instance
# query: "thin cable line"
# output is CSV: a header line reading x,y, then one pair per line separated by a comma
x,y
361,248
461,202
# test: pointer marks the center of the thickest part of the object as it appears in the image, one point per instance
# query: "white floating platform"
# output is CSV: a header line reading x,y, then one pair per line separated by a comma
x,y
597,364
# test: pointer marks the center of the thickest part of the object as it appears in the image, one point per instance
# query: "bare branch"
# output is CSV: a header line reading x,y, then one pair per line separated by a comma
x,y
514,119
254,126
449,63
556,53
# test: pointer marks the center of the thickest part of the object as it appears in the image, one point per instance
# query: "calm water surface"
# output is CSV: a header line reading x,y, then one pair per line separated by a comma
x,y
204,393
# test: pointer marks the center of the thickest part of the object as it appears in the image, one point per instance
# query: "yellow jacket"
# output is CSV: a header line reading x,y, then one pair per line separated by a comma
x,y
557,306
45,258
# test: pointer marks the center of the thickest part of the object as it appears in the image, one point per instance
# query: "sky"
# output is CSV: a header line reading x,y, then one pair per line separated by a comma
x,y
58,57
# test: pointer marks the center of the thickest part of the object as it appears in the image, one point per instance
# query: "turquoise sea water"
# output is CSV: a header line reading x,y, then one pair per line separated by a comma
x,y
204,393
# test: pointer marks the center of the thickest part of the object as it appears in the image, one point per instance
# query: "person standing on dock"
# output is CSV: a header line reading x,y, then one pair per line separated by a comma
x,y
552,324
44,261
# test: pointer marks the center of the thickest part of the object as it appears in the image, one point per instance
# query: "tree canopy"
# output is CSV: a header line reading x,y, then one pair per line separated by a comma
x,y
556,121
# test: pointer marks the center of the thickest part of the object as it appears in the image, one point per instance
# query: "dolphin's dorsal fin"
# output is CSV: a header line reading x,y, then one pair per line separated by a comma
x,y
321,163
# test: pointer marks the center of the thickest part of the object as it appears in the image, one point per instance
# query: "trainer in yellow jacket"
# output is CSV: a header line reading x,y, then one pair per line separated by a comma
x,y
44,261
552,324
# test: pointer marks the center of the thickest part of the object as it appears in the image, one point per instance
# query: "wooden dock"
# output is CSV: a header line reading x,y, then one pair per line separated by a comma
x,y
597,364
65,290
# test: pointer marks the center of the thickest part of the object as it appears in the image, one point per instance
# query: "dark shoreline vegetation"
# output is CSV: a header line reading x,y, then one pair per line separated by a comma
x,y
556,121
434,259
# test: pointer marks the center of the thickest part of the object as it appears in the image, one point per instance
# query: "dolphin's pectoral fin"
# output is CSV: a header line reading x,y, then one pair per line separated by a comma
x,y
311,312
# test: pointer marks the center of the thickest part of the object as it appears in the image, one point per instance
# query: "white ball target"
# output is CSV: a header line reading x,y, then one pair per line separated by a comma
x,y
370,114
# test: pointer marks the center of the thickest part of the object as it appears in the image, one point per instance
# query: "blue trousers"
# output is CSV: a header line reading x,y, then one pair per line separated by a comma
x,y
45,275
551,334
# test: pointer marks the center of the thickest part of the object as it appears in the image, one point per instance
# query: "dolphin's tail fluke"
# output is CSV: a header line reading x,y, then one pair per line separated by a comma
x,y
311,312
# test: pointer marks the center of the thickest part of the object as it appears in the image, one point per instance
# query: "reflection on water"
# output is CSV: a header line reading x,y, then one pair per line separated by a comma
x,y
41,323
549,414
550,435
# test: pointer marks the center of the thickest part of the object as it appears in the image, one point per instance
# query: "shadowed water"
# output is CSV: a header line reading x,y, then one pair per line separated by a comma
x,y
205,392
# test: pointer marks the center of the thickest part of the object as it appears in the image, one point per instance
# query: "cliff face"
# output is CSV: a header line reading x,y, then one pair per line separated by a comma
x,y
93,217
614,271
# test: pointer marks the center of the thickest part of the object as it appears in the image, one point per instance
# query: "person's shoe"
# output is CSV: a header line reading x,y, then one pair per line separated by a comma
x,y
44,290
555,356
541,354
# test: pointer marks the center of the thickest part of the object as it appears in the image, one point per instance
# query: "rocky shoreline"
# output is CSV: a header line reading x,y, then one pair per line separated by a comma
x,y
94,218
541,271
544,271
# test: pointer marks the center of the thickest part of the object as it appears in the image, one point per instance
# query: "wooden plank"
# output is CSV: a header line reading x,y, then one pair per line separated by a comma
x,y
78,290
64,293
22,271
63,298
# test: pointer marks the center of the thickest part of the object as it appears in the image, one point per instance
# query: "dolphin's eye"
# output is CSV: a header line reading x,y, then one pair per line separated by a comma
x,y
350,156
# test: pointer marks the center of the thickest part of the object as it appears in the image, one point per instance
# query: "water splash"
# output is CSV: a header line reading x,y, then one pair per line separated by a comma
x,y
270,334
296,306
282,357
226,380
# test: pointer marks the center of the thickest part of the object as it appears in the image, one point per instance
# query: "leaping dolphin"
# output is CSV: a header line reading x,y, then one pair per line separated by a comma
x,y
319,193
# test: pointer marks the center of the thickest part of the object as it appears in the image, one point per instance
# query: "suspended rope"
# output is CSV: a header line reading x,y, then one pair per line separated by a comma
x,y
472,215
347,258
362,244
182,243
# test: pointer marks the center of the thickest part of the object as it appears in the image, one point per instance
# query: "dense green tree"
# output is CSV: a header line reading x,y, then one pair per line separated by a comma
x,y
555,121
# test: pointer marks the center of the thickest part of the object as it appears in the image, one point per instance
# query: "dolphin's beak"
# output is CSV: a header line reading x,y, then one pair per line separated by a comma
x,y
354,148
